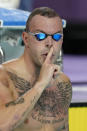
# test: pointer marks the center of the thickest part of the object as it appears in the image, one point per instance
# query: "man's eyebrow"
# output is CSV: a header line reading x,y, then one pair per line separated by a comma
x,y
38,30
60,31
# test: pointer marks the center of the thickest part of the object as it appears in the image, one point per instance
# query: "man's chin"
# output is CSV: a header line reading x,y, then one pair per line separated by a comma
x,y
40,63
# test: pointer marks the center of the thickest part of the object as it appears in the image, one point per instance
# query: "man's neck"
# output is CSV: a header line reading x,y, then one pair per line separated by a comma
x,y
31,67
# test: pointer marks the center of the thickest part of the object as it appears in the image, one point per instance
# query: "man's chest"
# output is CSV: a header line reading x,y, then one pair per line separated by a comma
x,y
52,106
53,101
47,111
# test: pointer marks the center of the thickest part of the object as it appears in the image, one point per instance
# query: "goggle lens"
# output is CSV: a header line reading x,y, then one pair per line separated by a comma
x,y
56,37
40,36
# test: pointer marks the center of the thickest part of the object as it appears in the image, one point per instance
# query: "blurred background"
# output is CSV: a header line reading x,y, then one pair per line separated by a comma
x,y
74,51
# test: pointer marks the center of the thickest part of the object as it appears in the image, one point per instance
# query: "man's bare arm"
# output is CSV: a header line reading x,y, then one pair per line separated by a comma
x,y
15,112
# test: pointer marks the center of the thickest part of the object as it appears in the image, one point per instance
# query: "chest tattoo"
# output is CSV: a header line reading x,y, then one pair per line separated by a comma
x,y
53,103
20,84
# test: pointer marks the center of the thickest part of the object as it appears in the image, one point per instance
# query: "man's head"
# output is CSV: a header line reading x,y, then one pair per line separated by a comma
x,y
43,20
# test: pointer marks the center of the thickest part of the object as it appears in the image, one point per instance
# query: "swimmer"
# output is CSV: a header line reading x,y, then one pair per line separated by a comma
x,y
34,94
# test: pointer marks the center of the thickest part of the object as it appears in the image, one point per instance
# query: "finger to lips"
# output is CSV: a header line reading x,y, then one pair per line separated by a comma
x,y
49,56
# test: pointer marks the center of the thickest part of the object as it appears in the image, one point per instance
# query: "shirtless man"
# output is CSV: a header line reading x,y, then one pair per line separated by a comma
x,y
34,94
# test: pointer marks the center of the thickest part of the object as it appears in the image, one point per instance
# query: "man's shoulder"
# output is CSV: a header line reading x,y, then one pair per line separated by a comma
x,y
64,82
4,78
10,63
63,77
7,90
4,67
2,71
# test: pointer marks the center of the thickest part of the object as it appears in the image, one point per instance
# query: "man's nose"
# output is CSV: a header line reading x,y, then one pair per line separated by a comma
x,y
49,42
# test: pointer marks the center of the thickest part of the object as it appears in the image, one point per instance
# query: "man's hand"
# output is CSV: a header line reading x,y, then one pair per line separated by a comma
x,y
48,70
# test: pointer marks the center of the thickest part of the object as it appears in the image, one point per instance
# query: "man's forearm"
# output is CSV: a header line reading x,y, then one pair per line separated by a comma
x,y
15,112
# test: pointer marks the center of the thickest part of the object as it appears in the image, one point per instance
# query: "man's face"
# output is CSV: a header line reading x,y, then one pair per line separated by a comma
x,y
38,50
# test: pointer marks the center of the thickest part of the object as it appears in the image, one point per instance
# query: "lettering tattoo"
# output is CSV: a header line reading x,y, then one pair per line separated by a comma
x,y
18,101
53,103
20,84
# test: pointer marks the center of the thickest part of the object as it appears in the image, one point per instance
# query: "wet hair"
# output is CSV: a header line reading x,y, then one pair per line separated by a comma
x,y
43,11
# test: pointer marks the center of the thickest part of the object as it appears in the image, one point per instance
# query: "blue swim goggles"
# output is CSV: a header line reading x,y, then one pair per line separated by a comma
x,y
41,36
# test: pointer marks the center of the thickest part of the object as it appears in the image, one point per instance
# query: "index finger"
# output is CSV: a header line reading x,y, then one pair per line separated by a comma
x,y
49,56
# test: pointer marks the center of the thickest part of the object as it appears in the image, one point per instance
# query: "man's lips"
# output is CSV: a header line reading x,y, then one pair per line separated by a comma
x,y
45,54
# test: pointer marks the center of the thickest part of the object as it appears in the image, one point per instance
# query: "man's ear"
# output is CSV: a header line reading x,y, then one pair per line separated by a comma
x,y
25,38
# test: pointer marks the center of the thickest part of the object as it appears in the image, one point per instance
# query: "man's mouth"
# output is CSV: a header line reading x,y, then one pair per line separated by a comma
x,y
45,55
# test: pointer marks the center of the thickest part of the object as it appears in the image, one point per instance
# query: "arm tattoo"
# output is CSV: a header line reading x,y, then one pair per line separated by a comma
x,y
18,101
65,91
34,98
24,115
